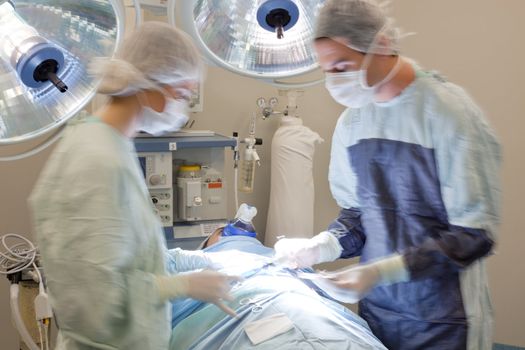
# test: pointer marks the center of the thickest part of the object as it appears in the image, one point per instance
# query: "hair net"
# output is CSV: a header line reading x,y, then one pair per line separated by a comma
x,y
362,22
155,54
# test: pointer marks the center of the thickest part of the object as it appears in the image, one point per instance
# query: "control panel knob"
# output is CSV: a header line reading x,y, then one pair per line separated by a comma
x,y
155,180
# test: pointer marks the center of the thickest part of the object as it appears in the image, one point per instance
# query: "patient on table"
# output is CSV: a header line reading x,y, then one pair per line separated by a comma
x,y
276,309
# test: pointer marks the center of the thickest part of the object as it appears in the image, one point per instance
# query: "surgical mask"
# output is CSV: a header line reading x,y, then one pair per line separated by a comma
x,y
346,89
173,118
351,88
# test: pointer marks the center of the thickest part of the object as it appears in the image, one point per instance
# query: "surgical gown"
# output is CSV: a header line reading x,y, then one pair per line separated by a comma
x,y
101,243
419,176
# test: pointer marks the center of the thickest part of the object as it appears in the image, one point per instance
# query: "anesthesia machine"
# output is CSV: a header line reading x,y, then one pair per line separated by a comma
x,y
185,177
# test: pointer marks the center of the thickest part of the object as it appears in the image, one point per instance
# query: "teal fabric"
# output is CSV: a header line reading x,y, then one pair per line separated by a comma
x,y
319,323
506,347
101,243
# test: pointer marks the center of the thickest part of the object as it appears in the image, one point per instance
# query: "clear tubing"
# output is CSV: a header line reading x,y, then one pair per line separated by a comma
x,y
15,311
236,186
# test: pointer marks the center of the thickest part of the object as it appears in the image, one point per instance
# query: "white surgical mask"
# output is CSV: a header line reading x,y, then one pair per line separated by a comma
x,y
351,88
173,118
346,89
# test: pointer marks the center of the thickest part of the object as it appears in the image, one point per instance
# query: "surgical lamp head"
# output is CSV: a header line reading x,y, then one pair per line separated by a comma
x,y
156,54
363,23
277,15
35,59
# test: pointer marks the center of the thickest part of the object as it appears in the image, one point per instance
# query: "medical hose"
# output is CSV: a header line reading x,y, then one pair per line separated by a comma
x,y
20,326
235,188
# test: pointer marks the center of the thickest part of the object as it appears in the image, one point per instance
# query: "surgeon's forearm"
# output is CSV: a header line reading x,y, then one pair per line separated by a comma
x,y
450,251
348,230
187,260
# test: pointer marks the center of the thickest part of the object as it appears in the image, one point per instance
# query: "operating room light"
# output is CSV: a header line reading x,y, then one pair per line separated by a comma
x,y
45,47
277,15
266,39
34,58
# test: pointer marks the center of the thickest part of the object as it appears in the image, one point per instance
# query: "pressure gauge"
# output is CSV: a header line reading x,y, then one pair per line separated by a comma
x,y
261,102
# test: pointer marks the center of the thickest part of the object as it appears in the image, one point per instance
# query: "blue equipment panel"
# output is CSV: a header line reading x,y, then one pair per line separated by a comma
x,y
173,143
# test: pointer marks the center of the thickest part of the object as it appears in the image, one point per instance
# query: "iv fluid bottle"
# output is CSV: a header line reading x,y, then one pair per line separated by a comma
x,y
247,171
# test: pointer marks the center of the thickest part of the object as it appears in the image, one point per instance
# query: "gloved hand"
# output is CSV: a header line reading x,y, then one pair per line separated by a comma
x,y
353,283
304,252
209,286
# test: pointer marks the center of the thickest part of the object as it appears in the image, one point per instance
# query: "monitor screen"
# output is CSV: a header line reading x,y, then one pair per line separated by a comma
x,y
142,161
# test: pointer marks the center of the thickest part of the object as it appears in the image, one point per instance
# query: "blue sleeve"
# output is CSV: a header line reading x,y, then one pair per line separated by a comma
x,y
179,260
468,160
348,230
450,250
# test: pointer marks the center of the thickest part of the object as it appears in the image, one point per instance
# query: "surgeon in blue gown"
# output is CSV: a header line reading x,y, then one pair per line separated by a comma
x,y
415,169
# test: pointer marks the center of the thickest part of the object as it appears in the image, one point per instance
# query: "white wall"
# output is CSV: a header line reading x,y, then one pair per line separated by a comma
x,y
476,43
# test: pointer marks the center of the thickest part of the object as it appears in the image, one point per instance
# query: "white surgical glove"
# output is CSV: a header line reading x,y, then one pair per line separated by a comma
x,y
353,283
304,252
209,286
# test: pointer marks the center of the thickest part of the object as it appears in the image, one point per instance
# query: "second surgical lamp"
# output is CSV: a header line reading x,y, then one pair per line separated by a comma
x,y
262,39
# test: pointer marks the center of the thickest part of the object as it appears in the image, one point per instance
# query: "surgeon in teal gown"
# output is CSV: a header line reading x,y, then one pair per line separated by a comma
x,y
101,243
